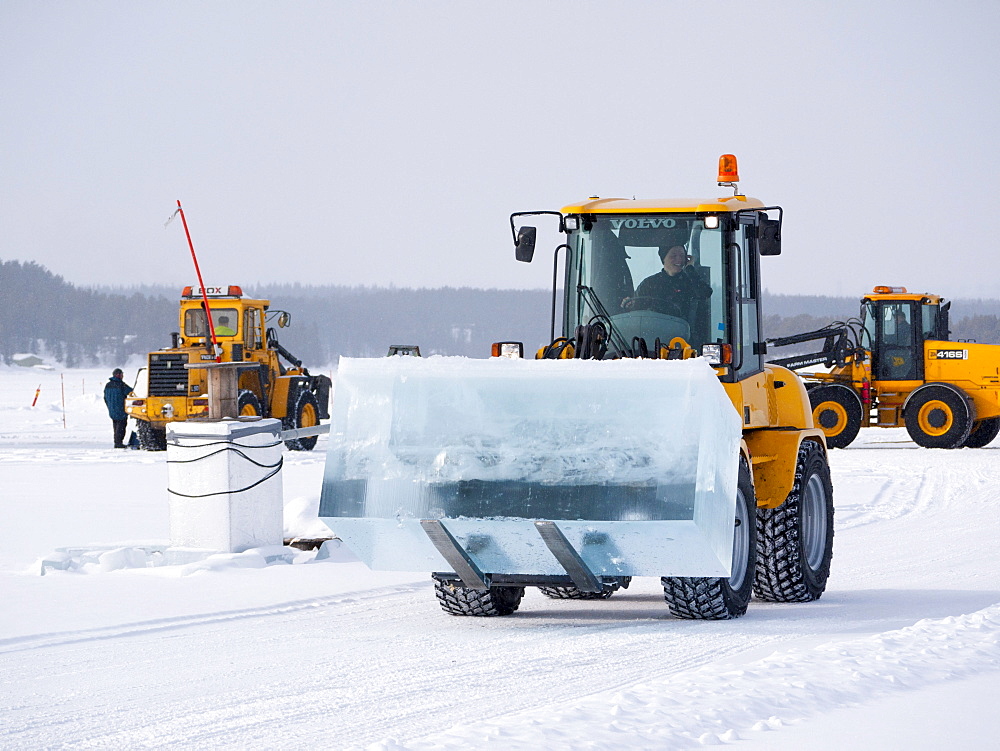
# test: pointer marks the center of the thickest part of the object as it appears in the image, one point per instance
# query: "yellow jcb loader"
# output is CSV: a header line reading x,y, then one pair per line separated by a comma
x,y
895,366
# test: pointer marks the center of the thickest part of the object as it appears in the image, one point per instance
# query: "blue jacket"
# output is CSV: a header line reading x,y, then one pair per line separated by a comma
x,y
115,391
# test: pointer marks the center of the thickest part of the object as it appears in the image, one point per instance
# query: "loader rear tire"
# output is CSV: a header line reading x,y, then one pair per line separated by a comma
x,y
795,540
456,599
304,414
837,412
722,599
572,593
939,416
983,433
150,439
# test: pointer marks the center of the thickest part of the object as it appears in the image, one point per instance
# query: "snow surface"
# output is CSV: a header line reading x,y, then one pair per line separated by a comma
x,y
125,643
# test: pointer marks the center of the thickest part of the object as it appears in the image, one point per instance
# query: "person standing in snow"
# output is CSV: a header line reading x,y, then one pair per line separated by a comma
x,y
115,391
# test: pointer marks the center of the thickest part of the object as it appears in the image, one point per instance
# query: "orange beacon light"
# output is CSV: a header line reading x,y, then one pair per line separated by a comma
x,y
728,171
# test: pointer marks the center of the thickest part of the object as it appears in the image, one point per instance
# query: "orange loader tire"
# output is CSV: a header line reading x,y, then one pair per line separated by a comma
x,y
939,416
304,414
837,412
248,405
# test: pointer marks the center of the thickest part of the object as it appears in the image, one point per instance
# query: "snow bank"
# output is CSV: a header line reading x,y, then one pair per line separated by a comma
x,y
179,561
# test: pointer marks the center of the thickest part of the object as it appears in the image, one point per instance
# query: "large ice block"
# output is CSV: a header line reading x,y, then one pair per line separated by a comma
x,y
636,461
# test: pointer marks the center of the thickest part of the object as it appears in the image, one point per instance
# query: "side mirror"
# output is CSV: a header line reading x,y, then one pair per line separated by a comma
x,y
284,319
769,237
524,248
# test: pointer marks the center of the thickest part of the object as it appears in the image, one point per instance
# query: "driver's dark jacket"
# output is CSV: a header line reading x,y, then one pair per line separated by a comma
x,y
673,295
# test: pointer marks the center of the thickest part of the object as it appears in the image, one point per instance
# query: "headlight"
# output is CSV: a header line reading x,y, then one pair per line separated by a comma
x,y
717,354
511,350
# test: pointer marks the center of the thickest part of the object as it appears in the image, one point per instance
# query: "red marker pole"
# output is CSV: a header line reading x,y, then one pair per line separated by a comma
x,y
37,392
204,292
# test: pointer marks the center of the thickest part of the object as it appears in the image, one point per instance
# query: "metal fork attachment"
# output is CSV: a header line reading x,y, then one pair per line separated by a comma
x,y
568,558
456,556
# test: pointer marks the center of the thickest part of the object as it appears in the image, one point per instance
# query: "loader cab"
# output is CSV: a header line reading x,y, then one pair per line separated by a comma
x,y
226,305
896,325
616,273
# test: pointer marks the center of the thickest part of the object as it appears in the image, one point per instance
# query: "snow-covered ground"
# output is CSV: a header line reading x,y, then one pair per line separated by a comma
x,y
903,651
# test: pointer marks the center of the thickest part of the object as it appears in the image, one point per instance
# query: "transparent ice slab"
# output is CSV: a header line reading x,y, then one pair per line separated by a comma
x,y
636,461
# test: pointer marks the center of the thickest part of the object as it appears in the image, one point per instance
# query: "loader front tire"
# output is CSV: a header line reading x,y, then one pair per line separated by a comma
x,y
456,599
707,598
150,439
248,405
572,593
837,412
939,416
304,414
795,540
983,433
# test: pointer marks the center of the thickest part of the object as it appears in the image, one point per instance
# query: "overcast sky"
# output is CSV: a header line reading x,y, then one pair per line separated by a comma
x,y
382,143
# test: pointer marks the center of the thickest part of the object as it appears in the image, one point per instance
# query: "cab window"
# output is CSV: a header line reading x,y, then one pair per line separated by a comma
x,y
617,270
225,320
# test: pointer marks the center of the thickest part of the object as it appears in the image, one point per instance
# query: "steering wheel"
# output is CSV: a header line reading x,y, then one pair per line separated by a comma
x,y
642,302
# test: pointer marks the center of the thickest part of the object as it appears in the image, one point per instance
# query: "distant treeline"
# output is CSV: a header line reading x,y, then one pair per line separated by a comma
x,y
42,314
45,315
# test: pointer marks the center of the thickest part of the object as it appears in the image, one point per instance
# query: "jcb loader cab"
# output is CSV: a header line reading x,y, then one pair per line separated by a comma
x,y
895,366
244,334
647,438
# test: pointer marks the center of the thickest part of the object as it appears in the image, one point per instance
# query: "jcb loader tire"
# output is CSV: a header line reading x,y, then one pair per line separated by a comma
x,y
304,414
837,411
150,439
248,405
795,540
456,599
939,416
983,433
572,593
721,599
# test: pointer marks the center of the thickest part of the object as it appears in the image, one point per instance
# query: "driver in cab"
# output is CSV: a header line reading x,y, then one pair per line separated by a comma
x,y
674,291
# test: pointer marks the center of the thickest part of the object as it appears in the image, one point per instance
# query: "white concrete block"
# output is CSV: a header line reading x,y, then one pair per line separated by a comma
x,y
224,484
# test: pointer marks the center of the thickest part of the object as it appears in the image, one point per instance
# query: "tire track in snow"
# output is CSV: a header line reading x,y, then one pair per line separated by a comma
x,y
712,707
355,688
921,481
141,628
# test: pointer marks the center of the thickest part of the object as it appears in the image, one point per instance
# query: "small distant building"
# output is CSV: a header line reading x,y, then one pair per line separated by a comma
x,y
26,361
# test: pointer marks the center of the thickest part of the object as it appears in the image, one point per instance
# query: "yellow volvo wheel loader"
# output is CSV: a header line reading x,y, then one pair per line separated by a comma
x,y
267,388
894,366
648,438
